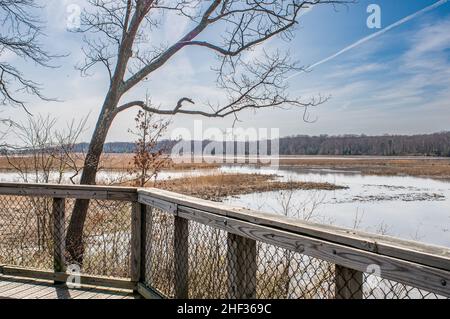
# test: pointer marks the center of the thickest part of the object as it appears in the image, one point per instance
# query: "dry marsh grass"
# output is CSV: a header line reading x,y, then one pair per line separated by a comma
x,y
121,162
218,186
420,167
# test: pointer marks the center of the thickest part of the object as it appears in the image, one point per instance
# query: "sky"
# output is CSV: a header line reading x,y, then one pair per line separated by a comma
x,y
396,82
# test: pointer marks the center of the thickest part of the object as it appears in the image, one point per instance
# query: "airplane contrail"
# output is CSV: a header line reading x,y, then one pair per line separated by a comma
x,y
374,35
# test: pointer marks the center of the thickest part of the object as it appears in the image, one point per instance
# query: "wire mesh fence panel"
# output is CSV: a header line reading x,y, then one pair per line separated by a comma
x,y
159,272
197,261
379,288
184,259
284,274
106,238
26,232
187,259
207,262
349,283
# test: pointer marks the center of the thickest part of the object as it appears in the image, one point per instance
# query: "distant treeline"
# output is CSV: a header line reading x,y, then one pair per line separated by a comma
x,y
123,147
437,144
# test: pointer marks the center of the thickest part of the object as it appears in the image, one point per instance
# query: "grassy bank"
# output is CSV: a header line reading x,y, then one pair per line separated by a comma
x,y
218,186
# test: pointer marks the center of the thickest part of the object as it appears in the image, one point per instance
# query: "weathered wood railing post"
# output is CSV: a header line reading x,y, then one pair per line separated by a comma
x,y
181,257
58,212
136,240
349,283
242,267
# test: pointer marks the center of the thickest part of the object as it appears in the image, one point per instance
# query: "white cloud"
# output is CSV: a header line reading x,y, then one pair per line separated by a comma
x,y
353,70
431,38
428,47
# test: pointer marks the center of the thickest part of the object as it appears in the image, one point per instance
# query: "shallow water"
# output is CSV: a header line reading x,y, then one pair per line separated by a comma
x,y
107,177
407,207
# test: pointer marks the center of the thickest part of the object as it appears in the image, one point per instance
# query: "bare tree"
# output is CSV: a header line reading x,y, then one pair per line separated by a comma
x,y
43,153
117,35
5,128
148,159
20,37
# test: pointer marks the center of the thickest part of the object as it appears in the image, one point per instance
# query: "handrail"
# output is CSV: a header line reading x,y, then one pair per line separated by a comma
x,y
428,255
69,191
419,265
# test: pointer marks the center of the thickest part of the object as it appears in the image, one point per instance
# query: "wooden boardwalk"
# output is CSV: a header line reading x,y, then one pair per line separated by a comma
x,y
19,288
332,262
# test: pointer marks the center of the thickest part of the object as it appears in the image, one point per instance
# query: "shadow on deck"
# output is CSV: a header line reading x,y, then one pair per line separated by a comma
x,y
19,288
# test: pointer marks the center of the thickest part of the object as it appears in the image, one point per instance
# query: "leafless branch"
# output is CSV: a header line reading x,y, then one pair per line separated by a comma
x,y
255,84
20,36
44,153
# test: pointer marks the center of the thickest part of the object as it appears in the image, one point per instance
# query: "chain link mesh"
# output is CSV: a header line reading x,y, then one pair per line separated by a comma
x,y
159,270
207,262
283,274
26,235
26,232
379,288
106,238
202,262
183,259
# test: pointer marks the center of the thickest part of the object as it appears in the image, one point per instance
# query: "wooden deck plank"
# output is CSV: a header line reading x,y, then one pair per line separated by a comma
x,y
41,292
100,296
62,293
23,294
110,293
87,294
117,296
20,288
86,280
11,285
4,283
100,293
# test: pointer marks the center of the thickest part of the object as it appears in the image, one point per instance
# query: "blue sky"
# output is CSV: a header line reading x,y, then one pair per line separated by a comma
x,y
395,83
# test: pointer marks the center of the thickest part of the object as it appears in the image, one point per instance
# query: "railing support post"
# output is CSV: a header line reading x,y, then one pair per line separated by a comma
x,y
349,283
242,267
136,227
181,257
58,212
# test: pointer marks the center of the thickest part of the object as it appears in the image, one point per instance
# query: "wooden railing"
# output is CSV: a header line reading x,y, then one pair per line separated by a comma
x,y
244,239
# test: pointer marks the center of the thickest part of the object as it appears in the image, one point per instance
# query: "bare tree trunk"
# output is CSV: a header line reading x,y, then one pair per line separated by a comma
x,y
261,89
74,237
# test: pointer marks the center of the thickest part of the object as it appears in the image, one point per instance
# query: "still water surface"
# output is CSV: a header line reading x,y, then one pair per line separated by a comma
x,y
401,206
